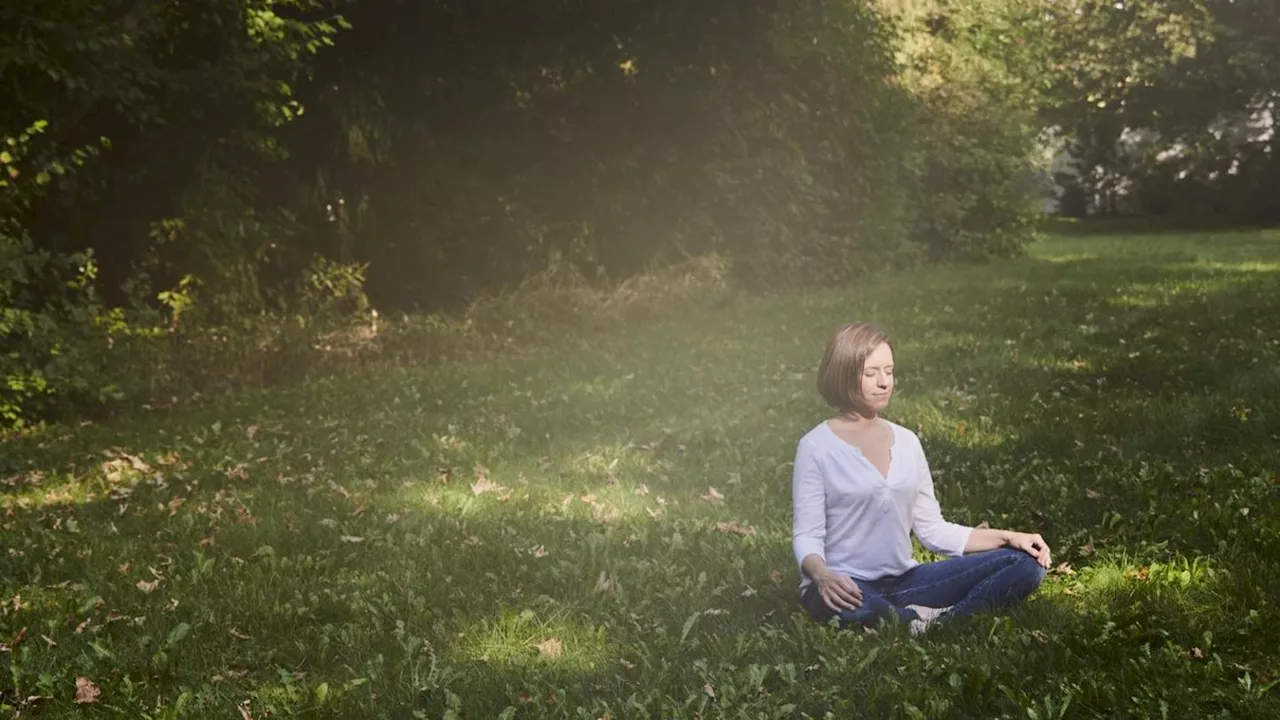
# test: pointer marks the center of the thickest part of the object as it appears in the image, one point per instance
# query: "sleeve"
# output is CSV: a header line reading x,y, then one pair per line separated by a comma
x,y
935,533
809,506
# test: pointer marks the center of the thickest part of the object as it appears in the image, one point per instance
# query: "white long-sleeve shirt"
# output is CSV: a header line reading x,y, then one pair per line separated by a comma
x,y
860,521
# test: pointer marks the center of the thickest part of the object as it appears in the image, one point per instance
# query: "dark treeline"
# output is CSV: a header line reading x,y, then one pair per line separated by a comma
x,y
453,147
175,174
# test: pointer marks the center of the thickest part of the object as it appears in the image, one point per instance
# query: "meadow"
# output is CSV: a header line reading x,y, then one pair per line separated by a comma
x,y
595,522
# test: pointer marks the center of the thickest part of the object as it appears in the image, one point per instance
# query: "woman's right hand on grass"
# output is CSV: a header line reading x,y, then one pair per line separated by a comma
x,y
838,591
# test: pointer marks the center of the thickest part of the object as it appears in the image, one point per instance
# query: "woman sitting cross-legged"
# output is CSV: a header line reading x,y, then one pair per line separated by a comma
x,y
861,485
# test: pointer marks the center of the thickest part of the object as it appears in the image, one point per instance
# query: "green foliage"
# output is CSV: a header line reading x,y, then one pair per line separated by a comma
x,y
781,137
184,98
530,532
1168,104
975,131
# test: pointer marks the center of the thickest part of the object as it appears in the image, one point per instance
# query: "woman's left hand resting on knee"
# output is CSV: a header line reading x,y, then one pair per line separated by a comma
x,y
990,539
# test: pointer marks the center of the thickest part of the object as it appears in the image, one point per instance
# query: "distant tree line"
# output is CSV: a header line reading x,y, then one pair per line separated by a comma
x,y
1164,108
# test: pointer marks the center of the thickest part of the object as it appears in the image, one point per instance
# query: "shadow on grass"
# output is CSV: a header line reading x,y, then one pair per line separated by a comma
x,y
1147,225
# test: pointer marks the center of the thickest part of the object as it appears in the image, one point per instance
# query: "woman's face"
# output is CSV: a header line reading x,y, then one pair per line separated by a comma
x,y
877,378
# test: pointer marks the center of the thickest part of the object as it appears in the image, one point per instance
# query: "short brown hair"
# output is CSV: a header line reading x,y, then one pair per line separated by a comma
x,y
840,374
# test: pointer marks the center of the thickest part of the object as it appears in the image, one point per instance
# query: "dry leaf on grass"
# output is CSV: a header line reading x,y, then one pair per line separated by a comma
x,y
550,648
731,527
483,484
713,496
86,691
604,583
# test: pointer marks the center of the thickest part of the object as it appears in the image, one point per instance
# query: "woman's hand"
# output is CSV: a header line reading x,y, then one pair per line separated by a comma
x,y
838,591
1032,544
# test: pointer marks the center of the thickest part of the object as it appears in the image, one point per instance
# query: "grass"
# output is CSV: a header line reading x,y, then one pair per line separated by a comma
x,y
597,524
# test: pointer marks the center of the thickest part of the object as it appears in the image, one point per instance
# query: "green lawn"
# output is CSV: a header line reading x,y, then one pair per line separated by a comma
x,y
600,526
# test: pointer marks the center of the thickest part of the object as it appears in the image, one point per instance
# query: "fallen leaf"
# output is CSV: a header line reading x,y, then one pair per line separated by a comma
x,y
148,587
731,527
483,484
713,496
604,583
238,634
1065,569
86,691
1244,511
137,463
550,648
709,690
1140,574
624,663
1195,653
1092,494
749,591
775,576
244,711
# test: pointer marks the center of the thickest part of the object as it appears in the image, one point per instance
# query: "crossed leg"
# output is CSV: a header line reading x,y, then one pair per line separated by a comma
x,y
980,582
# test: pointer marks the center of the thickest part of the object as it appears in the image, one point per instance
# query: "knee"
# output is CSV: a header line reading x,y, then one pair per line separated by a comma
x,y
1030,569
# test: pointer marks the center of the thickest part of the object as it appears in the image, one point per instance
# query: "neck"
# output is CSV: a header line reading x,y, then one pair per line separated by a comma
x,y
857,417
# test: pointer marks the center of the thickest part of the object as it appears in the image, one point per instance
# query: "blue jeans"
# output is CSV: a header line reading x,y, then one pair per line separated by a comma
x,y
975,583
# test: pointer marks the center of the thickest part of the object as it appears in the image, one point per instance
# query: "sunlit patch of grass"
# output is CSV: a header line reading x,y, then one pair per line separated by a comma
x,y
1060,364
1060,257
533,638
1134,298
1189,583
946,418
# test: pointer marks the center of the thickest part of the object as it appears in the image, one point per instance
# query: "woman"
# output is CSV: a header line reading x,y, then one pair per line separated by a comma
x,y
861,485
